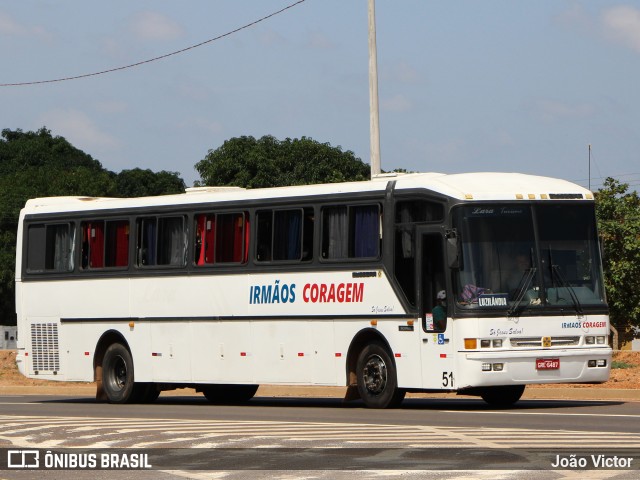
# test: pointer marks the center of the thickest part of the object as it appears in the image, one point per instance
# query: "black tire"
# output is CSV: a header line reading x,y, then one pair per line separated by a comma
x,y
502,396
377,378
229,394
118,375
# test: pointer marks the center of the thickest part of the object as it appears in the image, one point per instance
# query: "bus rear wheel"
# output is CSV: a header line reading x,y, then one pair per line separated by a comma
x,y
502,396
377,378
229,394
117,374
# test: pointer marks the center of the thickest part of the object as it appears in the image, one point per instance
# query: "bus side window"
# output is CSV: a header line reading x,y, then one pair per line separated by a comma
x,y
92,244
335,232
365,228
232,231
351,232
264,235
146,246
50,248
171,245
116,248
105,244
285,235
205,228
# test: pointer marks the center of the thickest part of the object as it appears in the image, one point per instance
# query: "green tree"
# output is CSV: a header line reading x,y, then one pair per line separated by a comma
x,y
143,183
618,213
38,164
269,162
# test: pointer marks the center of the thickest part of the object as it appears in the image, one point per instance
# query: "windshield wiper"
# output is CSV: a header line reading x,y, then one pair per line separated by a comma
x,y
555,270
523,287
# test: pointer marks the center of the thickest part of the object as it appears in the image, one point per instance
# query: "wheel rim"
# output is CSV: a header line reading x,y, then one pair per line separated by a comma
x,y
118,377
374,375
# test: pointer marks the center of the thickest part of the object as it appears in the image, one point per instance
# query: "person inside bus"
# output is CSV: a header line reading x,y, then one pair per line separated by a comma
x,y
439,312
520,265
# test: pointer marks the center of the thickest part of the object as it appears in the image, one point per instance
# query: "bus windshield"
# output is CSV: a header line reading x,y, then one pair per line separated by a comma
x,y
528,257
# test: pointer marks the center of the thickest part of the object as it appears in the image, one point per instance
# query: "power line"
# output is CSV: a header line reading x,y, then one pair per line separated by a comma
x,y
161,57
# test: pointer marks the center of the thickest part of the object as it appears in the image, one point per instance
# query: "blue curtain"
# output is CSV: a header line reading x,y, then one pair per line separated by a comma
x,y
366,231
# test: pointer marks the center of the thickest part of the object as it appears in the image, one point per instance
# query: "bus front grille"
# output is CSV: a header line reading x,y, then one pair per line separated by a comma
x,y
524,342
44,347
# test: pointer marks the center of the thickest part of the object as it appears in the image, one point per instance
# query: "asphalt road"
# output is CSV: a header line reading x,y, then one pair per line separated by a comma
x,y
273,437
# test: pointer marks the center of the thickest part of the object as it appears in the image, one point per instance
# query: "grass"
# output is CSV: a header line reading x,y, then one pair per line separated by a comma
x,y
621,365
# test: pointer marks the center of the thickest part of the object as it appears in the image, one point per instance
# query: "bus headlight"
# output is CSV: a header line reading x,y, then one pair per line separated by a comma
x,y
491,343
492,367
601,362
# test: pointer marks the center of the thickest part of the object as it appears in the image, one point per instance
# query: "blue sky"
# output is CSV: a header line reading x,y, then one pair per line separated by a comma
x,y
502,85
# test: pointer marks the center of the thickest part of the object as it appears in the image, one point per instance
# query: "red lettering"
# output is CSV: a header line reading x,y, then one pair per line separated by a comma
x,y
332,293
358,292
331,296
323,293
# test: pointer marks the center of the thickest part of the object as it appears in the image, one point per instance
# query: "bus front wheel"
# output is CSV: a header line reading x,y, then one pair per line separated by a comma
x,y
377,378
117,374
502,396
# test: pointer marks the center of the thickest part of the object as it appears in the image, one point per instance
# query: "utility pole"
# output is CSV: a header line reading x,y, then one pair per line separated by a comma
x,y
589,166
374,118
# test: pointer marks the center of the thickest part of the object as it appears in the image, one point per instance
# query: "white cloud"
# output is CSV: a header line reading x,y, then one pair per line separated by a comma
x,y
115,106
155,26
397,103
9,26
202,124
405,73
320,41
78,128
271,37
554,110
502,138
622,25
575,17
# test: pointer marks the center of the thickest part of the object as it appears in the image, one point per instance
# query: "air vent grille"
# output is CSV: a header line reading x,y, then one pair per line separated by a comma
x,y
44,347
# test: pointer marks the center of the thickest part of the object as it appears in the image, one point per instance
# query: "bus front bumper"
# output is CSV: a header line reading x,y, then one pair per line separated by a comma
x,y
535,367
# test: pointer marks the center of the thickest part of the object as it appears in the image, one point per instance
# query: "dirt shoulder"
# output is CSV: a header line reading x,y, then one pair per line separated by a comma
x,y
624,383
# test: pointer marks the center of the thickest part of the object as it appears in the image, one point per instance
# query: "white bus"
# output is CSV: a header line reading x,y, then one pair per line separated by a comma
x,y
475,283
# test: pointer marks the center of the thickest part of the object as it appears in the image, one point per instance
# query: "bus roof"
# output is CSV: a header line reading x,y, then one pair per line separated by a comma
x,y
484,186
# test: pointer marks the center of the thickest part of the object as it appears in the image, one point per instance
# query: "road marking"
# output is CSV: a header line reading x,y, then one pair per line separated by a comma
x,y
550,414
43,432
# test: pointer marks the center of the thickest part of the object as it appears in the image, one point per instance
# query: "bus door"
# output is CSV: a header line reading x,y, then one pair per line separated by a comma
x,y
435,324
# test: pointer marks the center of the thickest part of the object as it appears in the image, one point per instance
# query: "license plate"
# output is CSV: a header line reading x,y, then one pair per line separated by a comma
x,y
547,363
